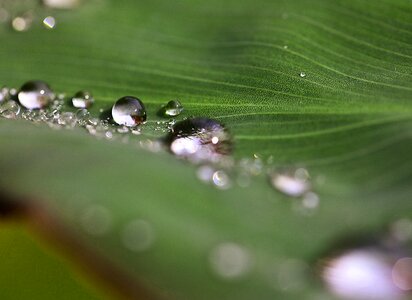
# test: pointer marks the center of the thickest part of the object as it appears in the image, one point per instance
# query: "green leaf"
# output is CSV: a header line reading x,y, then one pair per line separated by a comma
x,y
348,121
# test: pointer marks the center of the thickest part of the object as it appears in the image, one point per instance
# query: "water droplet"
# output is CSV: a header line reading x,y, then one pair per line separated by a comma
x,y
123,129
4,15
401,230
49,22
302,74
82,99
221,180
4,94
366,273
35,95
61,4
138,235
205,173
9,109
96,220
82,116
172,108
67,119
21,23
285,46
402,273
289,184
230,261
192,139
129,111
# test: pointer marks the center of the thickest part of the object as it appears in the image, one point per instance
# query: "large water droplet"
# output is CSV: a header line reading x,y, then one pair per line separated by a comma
x,y
35,95
172,108
82,99
230,260
369,272
129,111
9,109
199,139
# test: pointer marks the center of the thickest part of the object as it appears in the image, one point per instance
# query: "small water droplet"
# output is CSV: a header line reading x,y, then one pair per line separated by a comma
x,y
230,260
289,184
4,94
96,220
302,74
221,180
9,109
21,23
172,108
192,139
129,111
35,95
67,119
49,22
401,230
205,173
82,99
138,235
285,46
402,273
82,116
123,129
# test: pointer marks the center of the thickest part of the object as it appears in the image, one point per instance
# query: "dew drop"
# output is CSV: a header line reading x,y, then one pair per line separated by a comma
x,y
138,235
49,22
365,273
199,139
82,116
402,273
129,111
96,220
4,94
21,23
205,173
67,119
35,95
302,74
9,109
221,180
82,99
288,184
172,108
230,260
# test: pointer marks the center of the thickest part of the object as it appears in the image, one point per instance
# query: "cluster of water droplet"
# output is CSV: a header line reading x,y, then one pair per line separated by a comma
x,y
34,14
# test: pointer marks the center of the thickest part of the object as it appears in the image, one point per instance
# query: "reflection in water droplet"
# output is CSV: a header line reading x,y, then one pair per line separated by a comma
x,y
289,184
230,260
402,273
221,180
361,274
35,95
172,108
302,74
192,139
138,235
129,111
49,22
96,220
82,99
